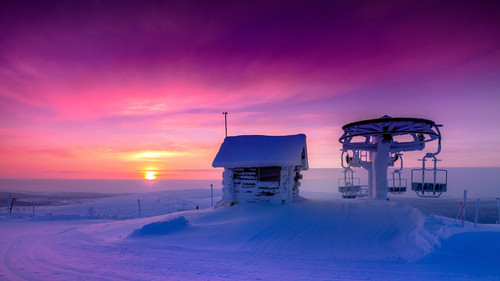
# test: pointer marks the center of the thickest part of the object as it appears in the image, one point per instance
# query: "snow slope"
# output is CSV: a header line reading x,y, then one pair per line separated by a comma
x,y
310,240
121,206
362,229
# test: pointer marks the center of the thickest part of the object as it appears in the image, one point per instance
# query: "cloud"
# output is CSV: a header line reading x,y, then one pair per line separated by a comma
x,y
81,81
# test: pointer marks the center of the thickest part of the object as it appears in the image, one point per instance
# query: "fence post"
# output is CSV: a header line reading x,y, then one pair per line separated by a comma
x,y
498,206
10,197
11,200
139,203
463,207
212,195
476,216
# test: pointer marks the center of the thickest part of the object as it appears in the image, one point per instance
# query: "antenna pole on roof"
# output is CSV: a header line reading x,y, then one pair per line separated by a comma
x,y
225,121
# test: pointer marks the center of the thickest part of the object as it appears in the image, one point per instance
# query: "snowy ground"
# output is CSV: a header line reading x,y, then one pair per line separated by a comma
x,y
329,239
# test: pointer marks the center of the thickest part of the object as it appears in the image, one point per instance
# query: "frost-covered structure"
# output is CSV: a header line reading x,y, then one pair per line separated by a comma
x,y
262,168
376,144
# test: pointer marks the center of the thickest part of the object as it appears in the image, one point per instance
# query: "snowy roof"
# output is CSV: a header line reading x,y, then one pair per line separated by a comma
x,y
262,151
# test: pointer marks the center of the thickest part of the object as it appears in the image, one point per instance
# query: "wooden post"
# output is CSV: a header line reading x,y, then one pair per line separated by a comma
x,y
139,203
463,208
8,202
212,195
498,207
476,216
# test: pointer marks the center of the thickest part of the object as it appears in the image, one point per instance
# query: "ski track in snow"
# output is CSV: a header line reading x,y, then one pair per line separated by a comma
x,y
312,240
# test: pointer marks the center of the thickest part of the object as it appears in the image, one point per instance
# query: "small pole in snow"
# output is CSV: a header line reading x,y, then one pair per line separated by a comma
x,y
476,216
225,121
33,203
498,206
8,201
463,207
139,203
212,195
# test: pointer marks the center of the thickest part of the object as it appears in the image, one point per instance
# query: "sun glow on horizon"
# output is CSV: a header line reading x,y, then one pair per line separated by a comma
x,y
150,175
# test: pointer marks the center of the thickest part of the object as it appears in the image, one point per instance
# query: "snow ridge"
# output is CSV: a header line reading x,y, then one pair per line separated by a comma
x,y
161,227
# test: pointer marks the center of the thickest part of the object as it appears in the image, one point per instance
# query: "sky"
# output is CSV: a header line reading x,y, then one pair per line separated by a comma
x,y
112,89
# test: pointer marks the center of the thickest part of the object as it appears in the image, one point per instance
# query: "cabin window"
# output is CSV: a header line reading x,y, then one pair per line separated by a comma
x,y
269,173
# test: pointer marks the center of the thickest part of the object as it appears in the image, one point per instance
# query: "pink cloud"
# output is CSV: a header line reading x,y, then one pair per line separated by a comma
x,y
81,81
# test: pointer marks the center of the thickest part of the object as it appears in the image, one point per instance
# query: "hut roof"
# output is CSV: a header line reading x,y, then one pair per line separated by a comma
x,y
262,151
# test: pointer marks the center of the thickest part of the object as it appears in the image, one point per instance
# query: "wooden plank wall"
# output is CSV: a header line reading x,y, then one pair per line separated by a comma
x,y
249,190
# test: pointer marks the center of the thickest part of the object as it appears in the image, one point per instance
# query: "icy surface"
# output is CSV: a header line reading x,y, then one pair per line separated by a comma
x,y
260,151
310,240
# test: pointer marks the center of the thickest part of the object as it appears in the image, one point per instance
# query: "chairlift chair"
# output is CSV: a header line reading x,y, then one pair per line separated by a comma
x,y
348,185
396,184
429,182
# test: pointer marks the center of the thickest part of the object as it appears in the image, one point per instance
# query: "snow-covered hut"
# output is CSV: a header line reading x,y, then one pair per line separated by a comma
x,y
262,168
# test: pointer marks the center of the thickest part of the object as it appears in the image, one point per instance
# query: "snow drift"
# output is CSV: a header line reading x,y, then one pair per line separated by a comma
x,y
161,227
361,229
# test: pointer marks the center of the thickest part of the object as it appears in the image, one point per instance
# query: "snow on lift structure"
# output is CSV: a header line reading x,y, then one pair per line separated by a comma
x,y
396,184
349,185
377,144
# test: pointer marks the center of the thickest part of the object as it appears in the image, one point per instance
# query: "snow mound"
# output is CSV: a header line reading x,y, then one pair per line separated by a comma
x,y
362,229
161,227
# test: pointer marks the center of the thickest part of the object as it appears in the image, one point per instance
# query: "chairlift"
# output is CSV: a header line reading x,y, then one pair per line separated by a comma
x,y
375,141
429,182
396,184
349,186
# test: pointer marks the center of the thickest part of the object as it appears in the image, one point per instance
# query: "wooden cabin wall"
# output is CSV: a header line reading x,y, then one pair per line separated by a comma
x,y
242,184
250,190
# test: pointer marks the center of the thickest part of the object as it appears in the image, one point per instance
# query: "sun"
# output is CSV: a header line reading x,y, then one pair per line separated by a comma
x,y
150,175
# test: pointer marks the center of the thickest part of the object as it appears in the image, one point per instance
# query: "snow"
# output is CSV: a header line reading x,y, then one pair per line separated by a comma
x,y
262,151
310,240
161,227
126,206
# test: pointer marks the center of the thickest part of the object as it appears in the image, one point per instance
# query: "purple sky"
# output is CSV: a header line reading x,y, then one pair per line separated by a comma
x,y
109,89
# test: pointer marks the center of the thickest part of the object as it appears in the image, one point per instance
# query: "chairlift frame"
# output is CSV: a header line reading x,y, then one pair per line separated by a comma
x,y
348,186
424,188
399,185
377,136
